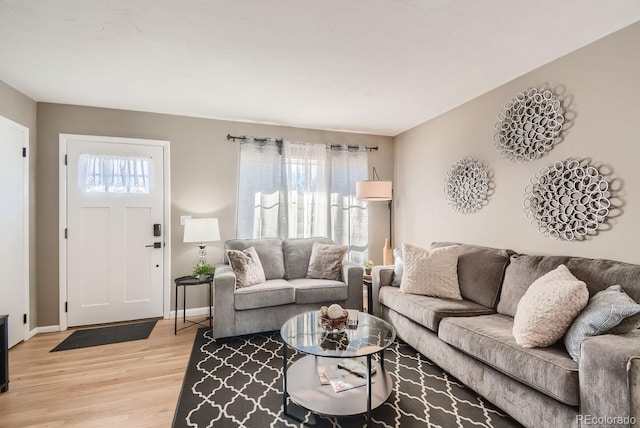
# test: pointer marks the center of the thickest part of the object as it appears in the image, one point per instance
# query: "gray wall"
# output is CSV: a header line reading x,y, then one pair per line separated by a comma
x,y
203,179
600,84
21,109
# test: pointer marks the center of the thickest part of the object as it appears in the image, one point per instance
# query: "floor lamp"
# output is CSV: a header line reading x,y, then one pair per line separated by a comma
x,y
377,190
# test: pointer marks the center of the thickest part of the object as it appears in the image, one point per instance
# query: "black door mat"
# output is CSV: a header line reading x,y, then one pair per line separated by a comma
x,y
106,335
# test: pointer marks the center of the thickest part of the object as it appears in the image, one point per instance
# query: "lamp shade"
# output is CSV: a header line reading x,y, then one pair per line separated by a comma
x,y
373,190
201,230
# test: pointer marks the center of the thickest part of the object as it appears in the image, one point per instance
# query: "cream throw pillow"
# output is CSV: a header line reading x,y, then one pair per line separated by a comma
x,y
548,308
326,261
431,272
247,266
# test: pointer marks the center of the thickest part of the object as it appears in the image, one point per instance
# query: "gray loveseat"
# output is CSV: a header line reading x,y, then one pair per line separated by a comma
x,y
472,339
287,291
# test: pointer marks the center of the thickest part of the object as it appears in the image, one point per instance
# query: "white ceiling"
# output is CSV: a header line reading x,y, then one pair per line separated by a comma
x,y
373,66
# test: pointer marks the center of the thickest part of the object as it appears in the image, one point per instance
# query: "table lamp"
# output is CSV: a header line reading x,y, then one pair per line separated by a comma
x,y
201,230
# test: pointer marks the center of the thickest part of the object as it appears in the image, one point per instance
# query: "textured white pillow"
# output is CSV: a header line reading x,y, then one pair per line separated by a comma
x,y
431,272
548,308
247,266
326,261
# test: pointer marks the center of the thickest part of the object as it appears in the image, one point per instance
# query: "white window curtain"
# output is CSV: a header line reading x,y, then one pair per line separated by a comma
x,y
298,190
260,189
114,174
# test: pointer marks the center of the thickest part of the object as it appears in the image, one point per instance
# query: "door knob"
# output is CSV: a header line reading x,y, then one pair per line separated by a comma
x,y
154,245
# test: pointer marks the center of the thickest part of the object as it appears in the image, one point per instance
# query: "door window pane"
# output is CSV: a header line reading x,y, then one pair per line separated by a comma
x,y
114,174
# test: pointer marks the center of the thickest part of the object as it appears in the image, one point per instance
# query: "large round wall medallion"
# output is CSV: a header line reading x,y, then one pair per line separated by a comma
x,y
567,200
529,125
466,187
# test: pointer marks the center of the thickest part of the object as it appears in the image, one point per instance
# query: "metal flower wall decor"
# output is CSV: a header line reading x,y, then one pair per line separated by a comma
x,y
466,187
567,200
529,125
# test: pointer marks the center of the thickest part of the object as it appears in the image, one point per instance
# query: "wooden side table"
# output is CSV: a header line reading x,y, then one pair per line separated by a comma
x,y
4,353
188,281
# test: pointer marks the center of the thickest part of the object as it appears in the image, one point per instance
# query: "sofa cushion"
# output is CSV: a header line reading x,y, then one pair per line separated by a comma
x,y
319,290
548,308
269,250
246,266
428,311
488,338
297,252
605,310
480,271
326,261
598,274
273,292
430,272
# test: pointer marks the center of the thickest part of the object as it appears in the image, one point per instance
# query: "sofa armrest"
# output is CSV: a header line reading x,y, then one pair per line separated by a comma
x,y
224,285
610,377
352,275
380,276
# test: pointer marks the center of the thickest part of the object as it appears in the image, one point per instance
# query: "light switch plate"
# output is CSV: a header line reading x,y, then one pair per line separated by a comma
x,y
183,219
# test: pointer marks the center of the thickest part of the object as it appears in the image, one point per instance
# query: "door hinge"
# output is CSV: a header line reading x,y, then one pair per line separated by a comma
x,y
66,306
66,233
24,152
24,318
65,159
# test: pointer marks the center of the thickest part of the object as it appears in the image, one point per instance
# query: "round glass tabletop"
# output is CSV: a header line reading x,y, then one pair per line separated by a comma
x,y
365,334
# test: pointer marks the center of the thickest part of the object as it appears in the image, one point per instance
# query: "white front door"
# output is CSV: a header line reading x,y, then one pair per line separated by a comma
x,y
14,249
115,231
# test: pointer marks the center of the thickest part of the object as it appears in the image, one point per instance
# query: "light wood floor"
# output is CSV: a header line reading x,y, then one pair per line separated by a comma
x,y
131,384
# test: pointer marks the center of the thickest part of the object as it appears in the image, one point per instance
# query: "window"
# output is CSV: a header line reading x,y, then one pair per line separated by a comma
x,y
114,174
298,190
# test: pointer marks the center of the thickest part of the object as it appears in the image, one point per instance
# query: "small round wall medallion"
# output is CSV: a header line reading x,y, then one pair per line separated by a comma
x,y
567,200
466,186
529,125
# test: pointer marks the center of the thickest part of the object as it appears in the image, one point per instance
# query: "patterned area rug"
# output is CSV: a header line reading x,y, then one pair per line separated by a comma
x,y
237,382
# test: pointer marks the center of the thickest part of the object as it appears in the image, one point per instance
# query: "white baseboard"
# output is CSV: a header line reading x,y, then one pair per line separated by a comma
x,y
193,312
43,329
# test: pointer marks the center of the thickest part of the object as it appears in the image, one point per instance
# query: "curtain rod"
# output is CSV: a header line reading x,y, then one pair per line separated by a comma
x,y
261,139
333,146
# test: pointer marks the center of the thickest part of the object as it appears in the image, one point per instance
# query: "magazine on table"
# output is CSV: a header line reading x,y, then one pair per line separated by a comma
x,y
321,370
342,379
357,366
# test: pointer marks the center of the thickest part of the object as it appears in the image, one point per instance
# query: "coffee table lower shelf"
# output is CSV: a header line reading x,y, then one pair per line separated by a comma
x,y
304,388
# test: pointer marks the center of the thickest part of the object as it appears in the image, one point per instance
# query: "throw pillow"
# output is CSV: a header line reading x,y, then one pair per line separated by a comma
x,y
430,272
326,261
548,308
247,266
627,325
605,310
398,267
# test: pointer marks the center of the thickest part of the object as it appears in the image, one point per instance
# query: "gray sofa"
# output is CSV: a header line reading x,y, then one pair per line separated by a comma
x,y
472,339
287,291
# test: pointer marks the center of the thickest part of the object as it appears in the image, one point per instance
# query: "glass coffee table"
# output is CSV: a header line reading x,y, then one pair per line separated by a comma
x,y
368,336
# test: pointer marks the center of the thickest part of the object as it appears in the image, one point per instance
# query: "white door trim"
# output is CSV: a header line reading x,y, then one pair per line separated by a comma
x,y
63,217
26,255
